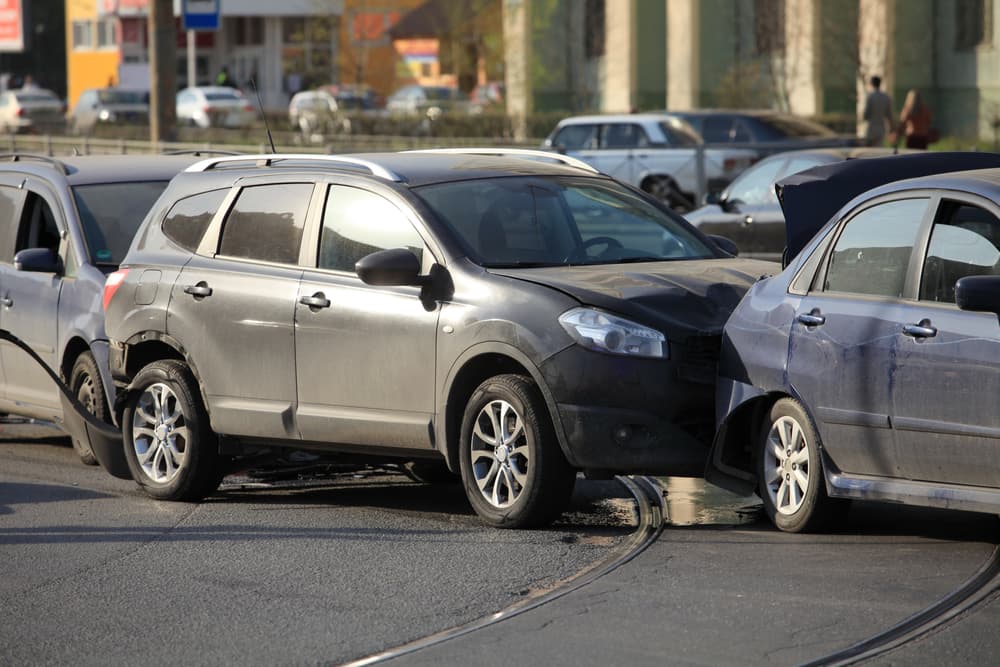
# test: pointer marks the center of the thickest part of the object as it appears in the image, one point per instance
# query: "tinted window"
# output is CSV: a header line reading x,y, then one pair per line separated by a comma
x,y
624,135
38,226
223,96
110,214
964,242
790,126
576,137
557,221
10,204
110,96
872,254
188,219
357,223
266,223
716,129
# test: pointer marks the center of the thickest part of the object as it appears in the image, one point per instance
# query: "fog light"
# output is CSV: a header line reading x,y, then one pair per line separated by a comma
x,y
622,434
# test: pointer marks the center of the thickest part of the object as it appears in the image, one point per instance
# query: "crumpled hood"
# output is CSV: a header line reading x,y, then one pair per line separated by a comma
x,y
680,298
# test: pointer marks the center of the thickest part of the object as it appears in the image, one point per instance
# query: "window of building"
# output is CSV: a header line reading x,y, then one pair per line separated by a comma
x,y
307,52
106,34
973,23
593,28
249,31
83,35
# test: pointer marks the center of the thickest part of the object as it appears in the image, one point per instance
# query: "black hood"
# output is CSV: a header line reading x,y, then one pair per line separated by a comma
x,y
811,197
680,297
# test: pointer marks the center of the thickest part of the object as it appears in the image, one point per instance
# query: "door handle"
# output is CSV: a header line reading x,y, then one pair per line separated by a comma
x,y
199,290
316,301
922,330
812,318
7,301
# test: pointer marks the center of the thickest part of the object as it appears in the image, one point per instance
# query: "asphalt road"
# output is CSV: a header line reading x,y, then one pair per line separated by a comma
x,y
93,572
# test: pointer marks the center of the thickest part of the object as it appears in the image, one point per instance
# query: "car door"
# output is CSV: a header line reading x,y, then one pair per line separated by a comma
x,y
232,311
11,200
30,301
364,355
844,333
947,377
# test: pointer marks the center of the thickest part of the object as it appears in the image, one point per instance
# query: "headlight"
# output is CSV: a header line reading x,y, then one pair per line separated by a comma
x,y
106,115
603,332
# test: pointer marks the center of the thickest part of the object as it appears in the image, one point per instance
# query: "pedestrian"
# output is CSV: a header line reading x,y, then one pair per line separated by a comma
x,y
915,120
878,114
223,78
29,83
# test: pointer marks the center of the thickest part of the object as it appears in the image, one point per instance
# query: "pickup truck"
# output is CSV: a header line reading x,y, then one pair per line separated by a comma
x,y
655,152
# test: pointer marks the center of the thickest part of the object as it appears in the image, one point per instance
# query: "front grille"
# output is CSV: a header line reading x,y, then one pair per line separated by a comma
x,y
699,358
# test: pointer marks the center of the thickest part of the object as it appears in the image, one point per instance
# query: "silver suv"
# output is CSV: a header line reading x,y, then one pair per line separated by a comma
x,y
502,317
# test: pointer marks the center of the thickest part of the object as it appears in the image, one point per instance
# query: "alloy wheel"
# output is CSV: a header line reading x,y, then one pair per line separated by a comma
x,y
786,465
160,434
500,453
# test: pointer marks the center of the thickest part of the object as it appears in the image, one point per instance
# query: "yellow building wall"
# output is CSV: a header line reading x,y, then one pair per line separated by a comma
x,y
86,68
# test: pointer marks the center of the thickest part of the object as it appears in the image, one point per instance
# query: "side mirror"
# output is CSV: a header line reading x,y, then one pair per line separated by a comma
x,y
726,245
396,266
38,260
714,198
978,293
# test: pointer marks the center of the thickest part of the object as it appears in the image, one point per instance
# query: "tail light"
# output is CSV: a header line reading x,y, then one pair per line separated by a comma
x,y
729,164
111,285
19,112
248,107
206,109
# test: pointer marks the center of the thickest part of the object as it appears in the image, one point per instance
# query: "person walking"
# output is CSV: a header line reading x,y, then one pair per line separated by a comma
x,y
915,120
878,114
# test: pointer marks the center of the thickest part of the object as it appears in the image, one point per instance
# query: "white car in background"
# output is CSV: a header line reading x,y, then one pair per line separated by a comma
x,y
655,152
214,106
31,110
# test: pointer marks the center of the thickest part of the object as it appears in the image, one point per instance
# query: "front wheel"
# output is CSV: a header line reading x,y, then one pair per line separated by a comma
x,y
514,473
790,471
171,451
86,384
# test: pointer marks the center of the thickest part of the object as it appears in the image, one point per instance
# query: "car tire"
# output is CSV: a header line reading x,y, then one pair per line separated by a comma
x,y
790,471
170,448
430,472
513,471
86,384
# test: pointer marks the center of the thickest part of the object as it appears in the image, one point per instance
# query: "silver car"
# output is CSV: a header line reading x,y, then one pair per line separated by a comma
x,y
31,110
214,106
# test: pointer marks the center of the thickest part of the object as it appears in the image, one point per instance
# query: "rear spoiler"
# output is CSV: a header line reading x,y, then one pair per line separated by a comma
x,y
810,198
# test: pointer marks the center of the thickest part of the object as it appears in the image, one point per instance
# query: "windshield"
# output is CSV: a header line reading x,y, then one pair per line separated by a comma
x,y
110,214
223,96
509,222
790,126
121,97
679,132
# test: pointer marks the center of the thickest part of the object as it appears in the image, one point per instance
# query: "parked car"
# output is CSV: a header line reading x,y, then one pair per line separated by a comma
x,y
653,152
430,101
214,106
505,318
64,225
317,111
765,131
109,106
869,368
487,96
748,213
31,110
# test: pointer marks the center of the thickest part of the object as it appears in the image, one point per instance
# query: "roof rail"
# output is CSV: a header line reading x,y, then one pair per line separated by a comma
x,y
267,159
198,152
17,157
514,152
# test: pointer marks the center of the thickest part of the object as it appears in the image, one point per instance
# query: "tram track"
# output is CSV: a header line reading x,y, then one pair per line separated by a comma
x,y
648,495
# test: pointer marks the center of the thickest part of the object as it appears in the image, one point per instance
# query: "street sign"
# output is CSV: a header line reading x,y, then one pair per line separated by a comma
x,y
200,14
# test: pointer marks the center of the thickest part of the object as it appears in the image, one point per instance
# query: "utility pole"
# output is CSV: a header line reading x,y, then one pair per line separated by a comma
x,y
162,71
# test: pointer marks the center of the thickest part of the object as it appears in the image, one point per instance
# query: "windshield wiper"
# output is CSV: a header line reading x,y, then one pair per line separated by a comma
x,y
646,258
519,265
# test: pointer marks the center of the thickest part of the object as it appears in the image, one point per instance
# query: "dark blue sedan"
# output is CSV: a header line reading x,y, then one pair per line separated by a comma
x,y
870,367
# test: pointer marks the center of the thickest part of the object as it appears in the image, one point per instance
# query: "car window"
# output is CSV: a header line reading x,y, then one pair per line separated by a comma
x,y
795,165
716,129
756,185
110,214
266,223
223,96
38,225
576,137
356,223
679,132
790,126
558,221
741,131
10,206
188,219
623,135
965,241
872,254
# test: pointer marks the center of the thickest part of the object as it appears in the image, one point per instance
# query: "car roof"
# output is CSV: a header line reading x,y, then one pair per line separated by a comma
x,y
810,198
615,118
91,169
414,168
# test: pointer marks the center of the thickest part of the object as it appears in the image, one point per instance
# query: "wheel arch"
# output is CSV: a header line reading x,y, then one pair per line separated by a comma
x,y
144,349
478,364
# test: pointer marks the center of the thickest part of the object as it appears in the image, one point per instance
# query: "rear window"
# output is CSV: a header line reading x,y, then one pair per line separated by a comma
x,y
679,132
110,214
122,97
37,96
222,96
188,219
790,126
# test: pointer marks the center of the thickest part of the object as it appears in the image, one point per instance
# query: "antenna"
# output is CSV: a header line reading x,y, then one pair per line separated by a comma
x,y
260,106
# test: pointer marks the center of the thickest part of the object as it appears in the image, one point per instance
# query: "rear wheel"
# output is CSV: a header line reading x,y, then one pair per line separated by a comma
x,y
514,473
86,384
171,451
790,471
